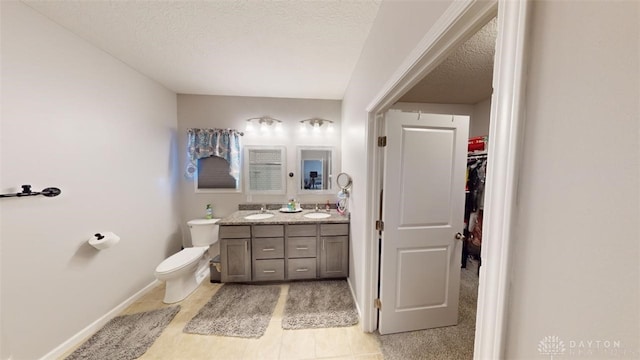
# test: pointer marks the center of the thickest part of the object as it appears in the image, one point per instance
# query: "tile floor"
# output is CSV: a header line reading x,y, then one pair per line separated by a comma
x,y
332,343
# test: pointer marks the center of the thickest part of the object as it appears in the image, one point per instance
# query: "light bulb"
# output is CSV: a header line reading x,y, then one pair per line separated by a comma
x,y
249,127
316,127
279,127
330,127
264,127
303,127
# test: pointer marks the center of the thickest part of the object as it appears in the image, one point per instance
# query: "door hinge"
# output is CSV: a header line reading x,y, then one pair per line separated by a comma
x,y
377,304
379,225
382,141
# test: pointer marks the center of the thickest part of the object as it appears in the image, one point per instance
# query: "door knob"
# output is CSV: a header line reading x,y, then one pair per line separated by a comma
x,y
459,236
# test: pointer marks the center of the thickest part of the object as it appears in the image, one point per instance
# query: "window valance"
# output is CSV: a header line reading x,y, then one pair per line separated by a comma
x,y
203,143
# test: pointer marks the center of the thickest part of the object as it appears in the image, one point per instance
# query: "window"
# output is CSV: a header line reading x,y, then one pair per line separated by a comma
x,y
213,176
213,159
264,170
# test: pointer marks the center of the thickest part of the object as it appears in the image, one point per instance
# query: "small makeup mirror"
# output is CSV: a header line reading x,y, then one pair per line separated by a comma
x,y
344,181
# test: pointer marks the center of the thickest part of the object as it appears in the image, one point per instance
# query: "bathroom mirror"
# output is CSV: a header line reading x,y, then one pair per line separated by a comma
x,y
315,169
344,181
264,168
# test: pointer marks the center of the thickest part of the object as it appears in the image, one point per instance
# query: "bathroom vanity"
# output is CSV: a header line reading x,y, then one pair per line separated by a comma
x,y
286,246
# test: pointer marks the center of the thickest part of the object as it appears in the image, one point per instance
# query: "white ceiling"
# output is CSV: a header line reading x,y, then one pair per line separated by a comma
x,y
289,48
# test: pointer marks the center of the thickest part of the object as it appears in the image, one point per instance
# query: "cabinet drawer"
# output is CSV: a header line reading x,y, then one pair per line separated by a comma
x,y
301,247
302,230
268,248
268,230
301,268
235,231
334,229
268,270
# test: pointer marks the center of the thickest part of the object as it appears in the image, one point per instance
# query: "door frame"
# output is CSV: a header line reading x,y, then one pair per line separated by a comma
x,y
459,21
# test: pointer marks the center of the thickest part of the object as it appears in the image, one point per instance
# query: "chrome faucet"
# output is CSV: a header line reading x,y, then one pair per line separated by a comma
x,y
317,209
263,208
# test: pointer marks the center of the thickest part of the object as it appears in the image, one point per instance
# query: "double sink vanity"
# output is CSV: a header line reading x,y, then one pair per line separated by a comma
x,y
276,246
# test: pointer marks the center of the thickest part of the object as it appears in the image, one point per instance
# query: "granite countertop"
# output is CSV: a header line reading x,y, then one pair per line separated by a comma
x,y
237,218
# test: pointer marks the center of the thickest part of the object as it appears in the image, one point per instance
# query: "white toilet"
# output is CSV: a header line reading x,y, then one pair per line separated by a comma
x,y
185,270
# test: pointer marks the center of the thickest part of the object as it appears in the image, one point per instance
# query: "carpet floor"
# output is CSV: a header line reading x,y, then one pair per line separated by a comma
x,y
319,304
126,337
236,310
452,342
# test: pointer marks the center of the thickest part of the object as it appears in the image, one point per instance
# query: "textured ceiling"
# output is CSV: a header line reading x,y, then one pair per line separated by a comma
x,y
465,77
290,48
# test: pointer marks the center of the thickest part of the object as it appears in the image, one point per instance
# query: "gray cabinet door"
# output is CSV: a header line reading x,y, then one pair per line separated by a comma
x,y
235,259
334,256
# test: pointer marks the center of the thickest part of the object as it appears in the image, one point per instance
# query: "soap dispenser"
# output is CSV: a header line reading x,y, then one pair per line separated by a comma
x,y
208,212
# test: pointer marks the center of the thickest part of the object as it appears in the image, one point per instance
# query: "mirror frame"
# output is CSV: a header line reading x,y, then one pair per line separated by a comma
x,y
332,170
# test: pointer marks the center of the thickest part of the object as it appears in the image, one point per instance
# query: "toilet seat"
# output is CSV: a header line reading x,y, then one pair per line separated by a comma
x,y
181,259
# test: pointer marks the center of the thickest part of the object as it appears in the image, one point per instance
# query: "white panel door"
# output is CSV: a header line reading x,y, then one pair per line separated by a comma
x,y
423,210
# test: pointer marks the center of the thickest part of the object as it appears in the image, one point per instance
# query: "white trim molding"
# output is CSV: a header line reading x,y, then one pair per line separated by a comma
x,y
462,19
98,324
505,134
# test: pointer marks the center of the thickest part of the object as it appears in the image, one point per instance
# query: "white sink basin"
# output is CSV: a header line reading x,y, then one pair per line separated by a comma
x,y
316,215
258,216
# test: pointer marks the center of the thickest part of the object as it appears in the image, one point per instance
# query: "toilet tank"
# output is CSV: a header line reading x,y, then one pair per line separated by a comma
x,y
204,232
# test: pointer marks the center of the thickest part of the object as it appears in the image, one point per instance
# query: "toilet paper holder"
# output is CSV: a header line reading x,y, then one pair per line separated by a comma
x,y
104,240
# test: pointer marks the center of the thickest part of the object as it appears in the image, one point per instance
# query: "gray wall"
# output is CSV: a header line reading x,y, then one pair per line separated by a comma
x,y
479,125
78,119
575,259
397,29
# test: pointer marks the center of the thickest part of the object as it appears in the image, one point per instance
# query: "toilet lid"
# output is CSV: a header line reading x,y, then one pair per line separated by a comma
x,y
202,221
180,259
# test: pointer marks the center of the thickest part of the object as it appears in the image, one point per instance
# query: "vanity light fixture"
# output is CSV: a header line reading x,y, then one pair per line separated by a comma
x,y
264,123
316,124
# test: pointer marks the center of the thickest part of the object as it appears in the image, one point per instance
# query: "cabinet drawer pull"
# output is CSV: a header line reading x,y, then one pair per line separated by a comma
x,y
302,248
268,249
268,271
302,270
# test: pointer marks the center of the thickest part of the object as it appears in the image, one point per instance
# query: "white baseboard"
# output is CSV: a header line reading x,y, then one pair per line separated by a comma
x,y
355,300
97,325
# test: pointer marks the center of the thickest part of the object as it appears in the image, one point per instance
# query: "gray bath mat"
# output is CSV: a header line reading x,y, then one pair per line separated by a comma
x,y
126,337
236,310
319,304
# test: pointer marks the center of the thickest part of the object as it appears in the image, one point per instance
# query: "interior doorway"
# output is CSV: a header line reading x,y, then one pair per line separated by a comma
x,y
506,122
436,194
